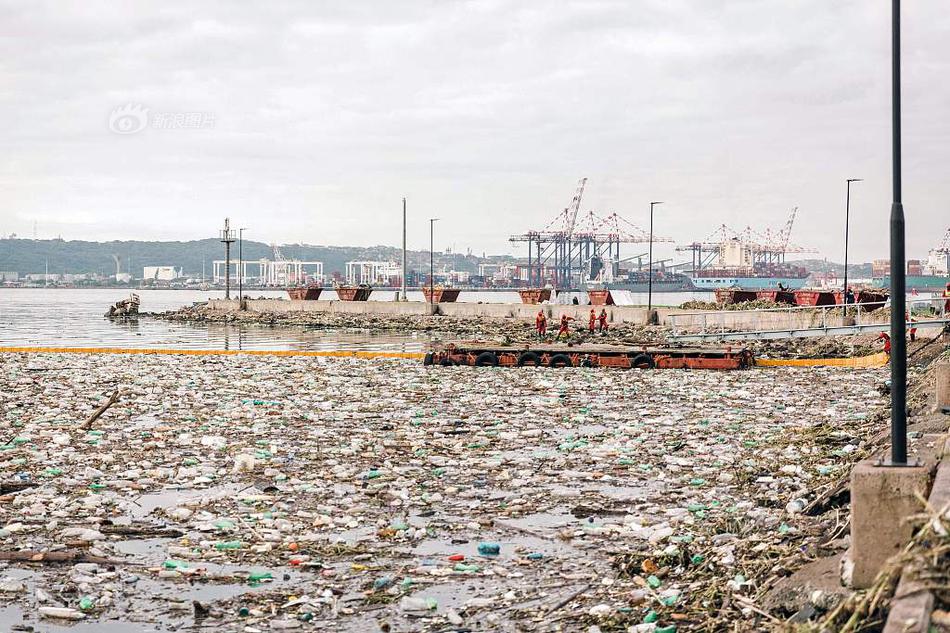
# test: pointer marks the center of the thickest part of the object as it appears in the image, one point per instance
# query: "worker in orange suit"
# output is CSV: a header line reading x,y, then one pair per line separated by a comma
x,y
603,320
884,336
563,330
911,330
592,320
541,323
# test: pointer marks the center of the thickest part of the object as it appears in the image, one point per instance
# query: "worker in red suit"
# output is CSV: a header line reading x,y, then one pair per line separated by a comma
x,y
911,330
592,320
563,330
884,336
541,323
946,304
603,320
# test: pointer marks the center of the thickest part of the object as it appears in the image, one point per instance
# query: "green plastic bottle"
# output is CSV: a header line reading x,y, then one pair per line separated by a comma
x,y
227,545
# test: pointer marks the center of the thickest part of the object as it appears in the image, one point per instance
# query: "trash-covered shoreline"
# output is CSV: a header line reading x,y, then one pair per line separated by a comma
x,y
509,331
256,494
483,328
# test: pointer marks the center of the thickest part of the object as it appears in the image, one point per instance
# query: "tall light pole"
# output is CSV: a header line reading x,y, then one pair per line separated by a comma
x,y
241,267
432,222
227,238
847,215
898,281
650,266
404,270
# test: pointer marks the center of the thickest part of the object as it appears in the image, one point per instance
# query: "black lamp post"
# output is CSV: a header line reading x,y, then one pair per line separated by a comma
x,y
847,216
650,266
241,267
432,222
898,281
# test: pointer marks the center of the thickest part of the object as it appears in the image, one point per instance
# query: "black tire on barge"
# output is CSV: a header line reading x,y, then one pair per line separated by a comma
x,y
529,359
486,359
643,361
560,360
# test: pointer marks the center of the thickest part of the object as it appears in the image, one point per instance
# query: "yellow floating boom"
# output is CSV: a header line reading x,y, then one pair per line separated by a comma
x,y
874,360
208,352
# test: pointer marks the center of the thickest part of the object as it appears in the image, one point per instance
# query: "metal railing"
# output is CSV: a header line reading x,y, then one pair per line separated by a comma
x,y
824,320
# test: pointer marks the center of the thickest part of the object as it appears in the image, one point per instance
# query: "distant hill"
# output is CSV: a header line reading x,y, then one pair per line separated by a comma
x,y
31,256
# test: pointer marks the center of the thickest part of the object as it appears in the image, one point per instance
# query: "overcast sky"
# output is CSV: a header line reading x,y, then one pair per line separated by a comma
x,y
308,121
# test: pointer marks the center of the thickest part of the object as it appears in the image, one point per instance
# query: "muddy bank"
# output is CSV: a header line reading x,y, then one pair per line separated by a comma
x,y
334,494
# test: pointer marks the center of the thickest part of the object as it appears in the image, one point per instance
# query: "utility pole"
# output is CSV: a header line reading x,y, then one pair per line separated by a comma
x,y
650,267
847,221
432,222
404,269
241,267
898,281
227,238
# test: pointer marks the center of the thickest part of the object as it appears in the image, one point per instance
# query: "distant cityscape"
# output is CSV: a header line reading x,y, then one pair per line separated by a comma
x,y
727,260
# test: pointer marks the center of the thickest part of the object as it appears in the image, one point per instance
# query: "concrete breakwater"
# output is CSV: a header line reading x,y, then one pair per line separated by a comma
x,y
632,315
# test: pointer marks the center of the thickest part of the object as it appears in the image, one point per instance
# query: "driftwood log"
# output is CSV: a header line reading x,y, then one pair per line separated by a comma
x,y
102,409
67,556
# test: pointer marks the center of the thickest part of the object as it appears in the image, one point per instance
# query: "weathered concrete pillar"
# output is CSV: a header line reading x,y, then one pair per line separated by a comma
x,y
943,385
882,498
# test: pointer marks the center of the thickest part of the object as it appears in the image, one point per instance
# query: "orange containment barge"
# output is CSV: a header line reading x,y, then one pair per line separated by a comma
x,y
730,297
600,297
776,296
442,295
818,297
535,295
623,357
353,293
305,293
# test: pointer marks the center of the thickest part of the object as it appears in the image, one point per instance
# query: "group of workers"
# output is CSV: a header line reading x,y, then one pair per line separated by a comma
x,y
595,323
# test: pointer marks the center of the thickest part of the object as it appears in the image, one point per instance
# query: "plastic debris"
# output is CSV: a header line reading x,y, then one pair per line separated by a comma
x,y
335,493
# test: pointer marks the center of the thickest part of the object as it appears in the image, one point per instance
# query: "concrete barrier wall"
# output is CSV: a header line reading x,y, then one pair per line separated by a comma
x,y
616,314
748,320
281,306
730,319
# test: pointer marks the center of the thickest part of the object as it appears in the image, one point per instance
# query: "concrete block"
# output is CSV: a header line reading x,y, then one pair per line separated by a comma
x,y
943,385
881,499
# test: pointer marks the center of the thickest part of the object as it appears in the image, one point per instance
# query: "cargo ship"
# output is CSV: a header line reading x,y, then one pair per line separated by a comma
x,y
639,281
919,283
609,276
760,276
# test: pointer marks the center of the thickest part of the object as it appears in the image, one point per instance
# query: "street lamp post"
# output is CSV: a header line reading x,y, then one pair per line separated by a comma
x,y
847,215
898,281
432,222
241,267
404,270
650,266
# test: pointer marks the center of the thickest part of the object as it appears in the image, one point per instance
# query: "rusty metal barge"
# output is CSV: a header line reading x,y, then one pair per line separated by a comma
x,y
478,354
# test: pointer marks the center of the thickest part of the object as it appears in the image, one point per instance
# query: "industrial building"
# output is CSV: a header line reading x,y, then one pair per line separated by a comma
x,y
373,273
160,273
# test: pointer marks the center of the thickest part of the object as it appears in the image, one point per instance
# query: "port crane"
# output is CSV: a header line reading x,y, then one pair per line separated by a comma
x,y
567,244
767,247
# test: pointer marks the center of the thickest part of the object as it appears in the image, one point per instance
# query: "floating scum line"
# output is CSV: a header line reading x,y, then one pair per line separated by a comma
x,y
208,352
874,360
